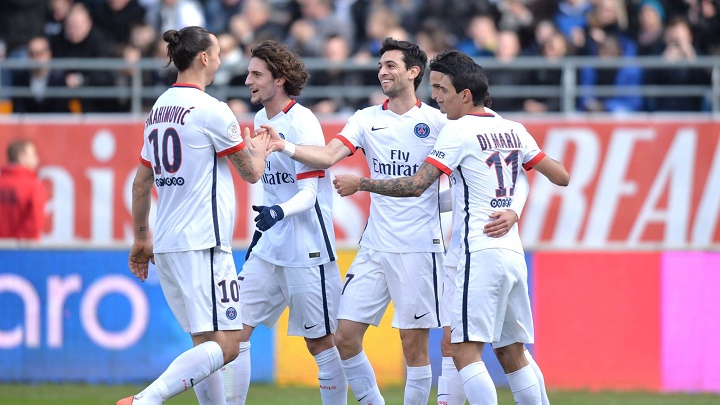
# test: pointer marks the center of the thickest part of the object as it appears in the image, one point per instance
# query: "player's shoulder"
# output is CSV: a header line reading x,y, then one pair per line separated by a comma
x,y
368,112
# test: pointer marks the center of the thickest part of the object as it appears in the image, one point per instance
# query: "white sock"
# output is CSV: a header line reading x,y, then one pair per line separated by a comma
x,y
450,387
211,391
478,385
361,378
237,376
540,377
333,384
524,386
417,385
184,372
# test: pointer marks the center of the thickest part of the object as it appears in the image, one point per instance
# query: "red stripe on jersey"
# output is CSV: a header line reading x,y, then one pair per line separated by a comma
x,y
314,173
289,106
234,149
439,165
145,162
386,104
187,85
529,165
346,143
417,102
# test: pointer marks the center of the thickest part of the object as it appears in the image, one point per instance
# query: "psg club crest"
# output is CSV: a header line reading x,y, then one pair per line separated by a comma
x,y
231,313
281,135
422,130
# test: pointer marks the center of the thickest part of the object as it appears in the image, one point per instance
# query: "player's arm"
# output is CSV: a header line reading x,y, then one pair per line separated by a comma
x,y
302,201
553,170
249,161
142,249
412,186
321,157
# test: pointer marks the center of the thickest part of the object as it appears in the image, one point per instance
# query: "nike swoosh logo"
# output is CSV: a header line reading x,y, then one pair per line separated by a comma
x,y
362,398
440,395
309,327
453,330
418,317
375,129
324,379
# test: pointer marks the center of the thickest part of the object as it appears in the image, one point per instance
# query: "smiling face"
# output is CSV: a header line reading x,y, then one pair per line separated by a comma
x,y
393,74
444,93
263,87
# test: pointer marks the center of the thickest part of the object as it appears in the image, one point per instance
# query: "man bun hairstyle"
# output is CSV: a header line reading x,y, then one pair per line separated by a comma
x,y
184,45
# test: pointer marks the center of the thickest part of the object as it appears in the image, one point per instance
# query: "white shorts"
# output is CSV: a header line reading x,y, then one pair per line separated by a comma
x,y
312,293
410,280
201,289
491,303
448,292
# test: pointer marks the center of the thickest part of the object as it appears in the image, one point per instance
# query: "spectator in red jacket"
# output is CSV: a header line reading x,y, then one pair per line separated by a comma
x,y
22,194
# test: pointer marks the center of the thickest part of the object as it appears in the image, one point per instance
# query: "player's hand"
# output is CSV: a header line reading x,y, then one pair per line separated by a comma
x,y
141,253
504,221
347,184
276,143
268,216
257,143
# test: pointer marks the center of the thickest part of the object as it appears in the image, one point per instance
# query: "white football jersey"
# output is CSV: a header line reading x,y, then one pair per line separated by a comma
x,y
395,146
187,135
308,238
484,157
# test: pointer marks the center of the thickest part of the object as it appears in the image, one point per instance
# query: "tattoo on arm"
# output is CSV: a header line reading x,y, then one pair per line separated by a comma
x,y
143,228
243,163
412,186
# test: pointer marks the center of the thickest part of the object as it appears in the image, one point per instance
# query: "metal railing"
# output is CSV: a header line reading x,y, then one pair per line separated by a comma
x,y
567,91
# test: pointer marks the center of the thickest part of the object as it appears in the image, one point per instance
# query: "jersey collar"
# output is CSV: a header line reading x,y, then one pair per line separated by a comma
x,y
187,85
289,106
487,115
386,103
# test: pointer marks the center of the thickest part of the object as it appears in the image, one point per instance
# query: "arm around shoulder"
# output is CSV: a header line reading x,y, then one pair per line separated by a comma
x,y
553,170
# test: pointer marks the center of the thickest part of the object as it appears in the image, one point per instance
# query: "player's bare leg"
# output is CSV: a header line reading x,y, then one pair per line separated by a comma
x,y
238,372
521,376
360,375
419,374
211,351
477,383
331,377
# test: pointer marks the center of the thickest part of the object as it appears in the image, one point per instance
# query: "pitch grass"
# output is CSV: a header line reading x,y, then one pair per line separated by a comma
x,y
78,394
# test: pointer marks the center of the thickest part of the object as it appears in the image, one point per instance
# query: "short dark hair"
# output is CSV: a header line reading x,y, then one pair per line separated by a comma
x,y
184,45
15,148
464,73
412,56
282,62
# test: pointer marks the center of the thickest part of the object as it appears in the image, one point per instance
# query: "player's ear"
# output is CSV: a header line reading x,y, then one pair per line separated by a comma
x,y
280,81
413,72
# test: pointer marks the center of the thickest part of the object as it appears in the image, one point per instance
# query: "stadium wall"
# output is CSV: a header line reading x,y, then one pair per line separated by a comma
x,y
604,321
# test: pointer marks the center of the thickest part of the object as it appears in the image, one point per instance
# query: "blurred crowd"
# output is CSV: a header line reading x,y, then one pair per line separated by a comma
x,y
352,30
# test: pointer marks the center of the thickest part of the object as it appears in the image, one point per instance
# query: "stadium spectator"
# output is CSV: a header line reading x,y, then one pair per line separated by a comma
x,y
608,18
432,37
651,15
571,20
260,25
508,48
219,12
39,80
22,194
80,39
704,19
553,49
116,18
481,37
543,30
175,14
335,52
20,21
56,14
623,78
679,47
457,15
317,23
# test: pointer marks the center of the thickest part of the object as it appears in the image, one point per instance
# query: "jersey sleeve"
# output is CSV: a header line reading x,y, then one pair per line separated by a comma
x,y
309,132
224,131
352,135
531,151
447,152
145,153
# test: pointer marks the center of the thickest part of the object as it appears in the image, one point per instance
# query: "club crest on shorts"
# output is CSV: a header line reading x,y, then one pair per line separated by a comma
x,y
231,313
233,130
422,130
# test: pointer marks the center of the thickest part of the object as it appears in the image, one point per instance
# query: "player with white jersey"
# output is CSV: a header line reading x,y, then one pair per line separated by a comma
x,y
483,154
400,251
188,135
292,260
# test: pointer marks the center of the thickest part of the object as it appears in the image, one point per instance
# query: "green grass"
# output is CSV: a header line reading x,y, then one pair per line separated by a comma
x,y
49,394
